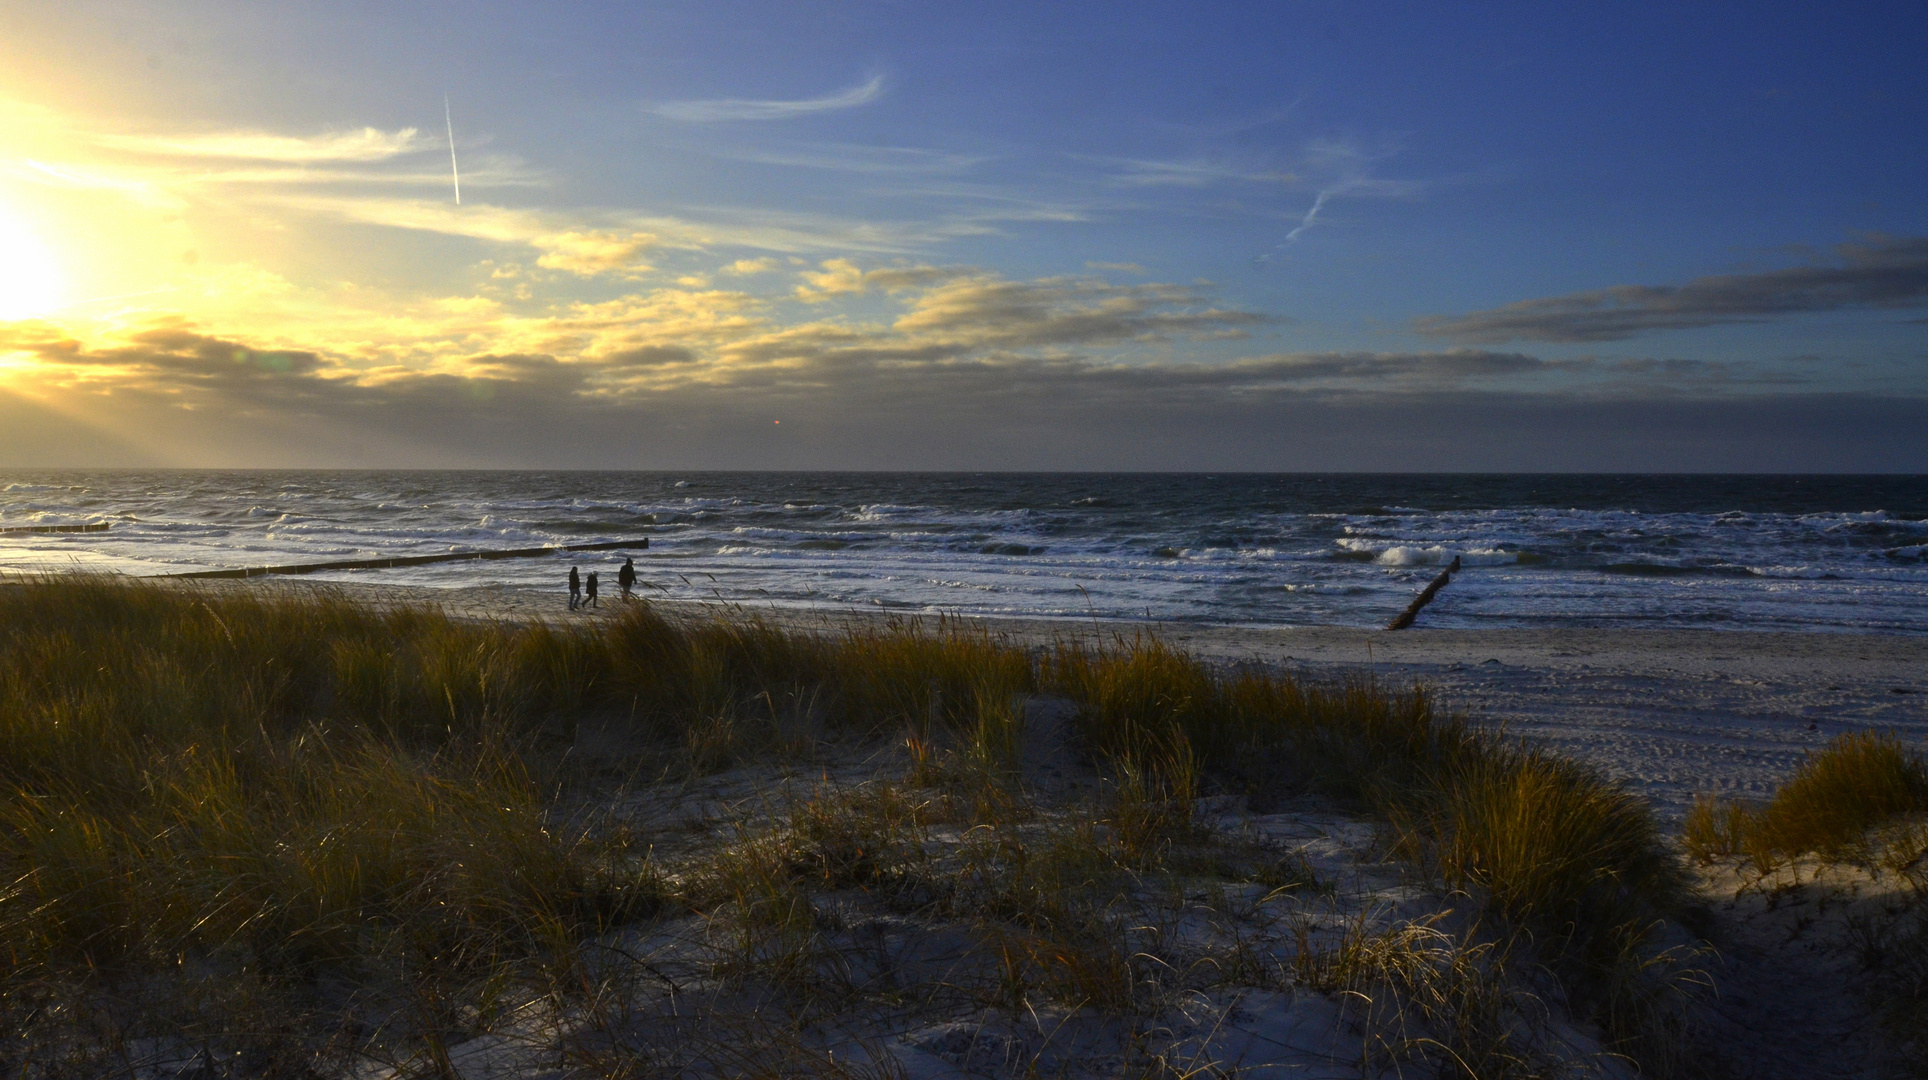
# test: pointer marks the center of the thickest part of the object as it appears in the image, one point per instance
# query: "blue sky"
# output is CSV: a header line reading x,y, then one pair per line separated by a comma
x,y
965,236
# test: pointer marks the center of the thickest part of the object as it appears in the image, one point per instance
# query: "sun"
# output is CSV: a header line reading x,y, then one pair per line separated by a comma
x,y
29,278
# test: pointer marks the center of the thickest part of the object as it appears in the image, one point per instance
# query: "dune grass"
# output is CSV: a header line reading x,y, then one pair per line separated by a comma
x,y
1839,806
309,789
1548,848
1550,844
1862,802
302,793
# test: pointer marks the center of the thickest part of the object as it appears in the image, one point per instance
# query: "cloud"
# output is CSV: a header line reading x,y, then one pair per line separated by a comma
x,y
693,353
837,278
939,367
83,178
730,109
1349,172
366,144
852,158
1326,169
656,340
857,397
842,277
590,253
957,353
1884,273
959,325
177,359
1193,173
565,242
478,221
1062,310
746,267
766,230
1381,371
649,356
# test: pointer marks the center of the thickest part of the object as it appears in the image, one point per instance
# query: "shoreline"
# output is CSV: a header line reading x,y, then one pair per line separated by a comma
x,y
1674,713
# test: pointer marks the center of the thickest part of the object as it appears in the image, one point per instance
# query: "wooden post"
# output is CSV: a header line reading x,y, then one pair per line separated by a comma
x,y
1425,597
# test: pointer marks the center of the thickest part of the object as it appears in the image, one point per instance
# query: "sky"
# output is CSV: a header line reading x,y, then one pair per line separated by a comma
x,y
1125,236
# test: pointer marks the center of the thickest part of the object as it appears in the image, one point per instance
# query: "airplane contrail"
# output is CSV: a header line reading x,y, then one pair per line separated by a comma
x,y
1311,215
455,171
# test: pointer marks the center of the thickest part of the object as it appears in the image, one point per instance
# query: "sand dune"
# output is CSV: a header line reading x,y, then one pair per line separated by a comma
x,y
1673,712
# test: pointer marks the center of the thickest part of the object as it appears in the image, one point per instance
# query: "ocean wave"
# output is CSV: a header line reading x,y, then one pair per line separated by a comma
x,y
1655,569
923,514
886,511
1439,556
1012,549
1331,552
1425,555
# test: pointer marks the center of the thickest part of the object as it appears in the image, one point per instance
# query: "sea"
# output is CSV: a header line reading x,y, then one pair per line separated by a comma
x,y
1826,553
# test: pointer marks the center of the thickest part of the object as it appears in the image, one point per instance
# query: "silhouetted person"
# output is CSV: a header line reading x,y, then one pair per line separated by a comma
x,y
589,591
575,589
626,577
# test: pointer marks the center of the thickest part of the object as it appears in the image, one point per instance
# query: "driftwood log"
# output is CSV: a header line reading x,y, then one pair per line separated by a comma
x,y
1425,597
411,560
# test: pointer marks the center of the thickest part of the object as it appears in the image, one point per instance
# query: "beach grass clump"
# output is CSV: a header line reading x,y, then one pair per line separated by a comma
x,y
302,789
734,686
283,793
1548,846
198,768
1852,802
1552,847
1716,828
1860,781
1861,802
184,770
1551,844
1426,996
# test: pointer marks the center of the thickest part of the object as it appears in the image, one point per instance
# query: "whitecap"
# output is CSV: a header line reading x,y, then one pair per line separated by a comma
x,y
1440,555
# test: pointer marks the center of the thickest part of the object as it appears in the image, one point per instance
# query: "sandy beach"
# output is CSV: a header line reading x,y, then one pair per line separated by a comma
x,y
1672,712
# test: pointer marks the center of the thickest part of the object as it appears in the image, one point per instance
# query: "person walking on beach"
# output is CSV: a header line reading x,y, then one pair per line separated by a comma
x,y
589,591
575,589
626,577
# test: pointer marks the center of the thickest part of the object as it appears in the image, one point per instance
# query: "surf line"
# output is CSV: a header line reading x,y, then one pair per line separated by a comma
x,y
410,560
98,526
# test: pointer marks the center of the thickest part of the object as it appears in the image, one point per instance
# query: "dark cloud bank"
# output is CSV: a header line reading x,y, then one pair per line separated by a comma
x,y
182,398
1888,273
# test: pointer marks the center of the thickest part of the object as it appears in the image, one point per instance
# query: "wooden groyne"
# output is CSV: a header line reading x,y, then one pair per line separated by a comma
x,y
1425,597
411,560
98,526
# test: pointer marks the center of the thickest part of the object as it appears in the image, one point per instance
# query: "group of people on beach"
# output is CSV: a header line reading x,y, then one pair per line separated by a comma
x,y
582,593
